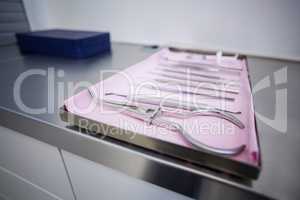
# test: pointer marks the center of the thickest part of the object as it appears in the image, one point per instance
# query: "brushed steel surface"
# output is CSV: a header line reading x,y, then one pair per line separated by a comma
x,y
279,177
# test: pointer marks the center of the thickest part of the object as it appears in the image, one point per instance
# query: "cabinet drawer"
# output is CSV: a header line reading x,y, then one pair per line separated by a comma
x,y
35,161
100,182
13,187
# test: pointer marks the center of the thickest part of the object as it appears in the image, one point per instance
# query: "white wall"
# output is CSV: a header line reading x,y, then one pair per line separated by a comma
x,y
38,13
263,27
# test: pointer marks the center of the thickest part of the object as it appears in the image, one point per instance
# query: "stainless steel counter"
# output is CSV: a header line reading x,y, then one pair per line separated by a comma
x,y
279,176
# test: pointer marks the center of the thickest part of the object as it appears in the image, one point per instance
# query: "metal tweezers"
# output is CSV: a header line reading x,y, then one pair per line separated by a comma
x,y
193,107
151,117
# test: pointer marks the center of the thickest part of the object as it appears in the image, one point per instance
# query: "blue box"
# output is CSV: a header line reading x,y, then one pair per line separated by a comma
x,y
66,43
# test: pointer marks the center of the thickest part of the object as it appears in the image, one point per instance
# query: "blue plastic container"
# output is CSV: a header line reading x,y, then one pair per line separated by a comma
x,y
65,43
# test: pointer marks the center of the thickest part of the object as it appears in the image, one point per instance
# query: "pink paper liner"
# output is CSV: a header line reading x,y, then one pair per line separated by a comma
x,y
210,130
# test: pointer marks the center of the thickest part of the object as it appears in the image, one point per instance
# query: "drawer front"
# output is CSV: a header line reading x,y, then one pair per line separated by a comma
x,y
14,187
35,161
95,181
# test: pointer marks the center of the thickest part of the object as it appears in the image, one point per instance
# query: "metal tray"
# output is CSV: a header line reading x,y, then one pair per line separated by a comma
x,y
194,156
